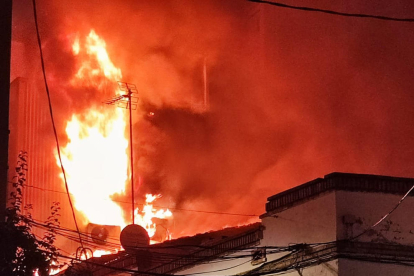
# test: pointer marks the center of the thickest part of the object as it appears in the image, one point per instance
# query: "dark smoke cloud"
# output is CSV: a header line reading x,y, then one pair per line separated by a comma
x,y
293,95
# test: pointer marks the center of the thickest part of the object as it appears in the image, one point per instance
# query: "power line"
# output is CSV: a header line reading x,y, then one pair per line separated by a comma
x,y
219,270
91,262
360,15
297,249
156,206
174,256
39,42
386,215
216,213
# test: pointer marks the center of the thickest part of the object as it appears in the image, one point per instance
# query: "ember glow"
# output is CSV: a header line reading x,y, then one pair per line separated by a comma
x,y
100,253
96,158
97,253
144,217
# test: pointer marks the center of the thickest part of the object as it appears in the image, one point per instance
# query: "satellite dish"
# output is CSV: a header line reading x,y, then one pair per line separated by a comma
x,y
134,236
99,234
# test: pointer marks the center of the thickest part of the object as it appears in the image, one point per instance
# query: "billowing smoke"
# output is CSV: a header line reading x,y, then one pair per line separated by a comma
x,y
292,95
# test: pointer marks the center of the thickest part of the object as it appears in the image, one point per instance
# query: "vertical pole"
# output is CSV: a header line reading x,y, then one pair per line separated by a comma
x,y
5,54
205,84
131,154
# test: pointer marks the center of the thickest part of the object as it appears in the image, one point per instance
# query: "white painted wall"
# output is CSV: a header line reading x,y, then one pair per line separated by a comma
x,y
365,209
325,269
322,220
311,222
358,268
223,267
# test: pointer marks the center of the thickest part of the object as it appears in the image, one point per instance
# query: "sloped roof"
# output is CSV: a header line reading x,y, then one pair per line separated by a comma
x,y
174,255
204,247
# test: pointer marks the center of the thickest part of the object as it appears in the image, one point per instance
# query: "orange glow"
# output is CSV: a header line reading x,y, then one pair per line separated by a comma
x,y
96,156
96,68
54,271
144,217
96,163
99,253
76,46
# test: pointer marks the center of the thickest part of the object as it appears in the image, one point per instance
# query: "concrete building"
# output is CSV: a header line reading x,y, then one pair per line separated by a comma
x,y
30,130
331,220
323,227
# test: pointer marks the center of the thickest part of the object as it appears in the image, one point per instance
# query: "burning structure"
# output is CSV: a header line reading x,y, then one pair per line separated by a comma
x,y
95,158
328,96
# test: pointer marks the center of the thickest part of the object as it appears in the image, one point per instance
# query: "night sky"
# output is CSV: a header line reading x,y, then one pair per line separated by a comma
x,y
293,95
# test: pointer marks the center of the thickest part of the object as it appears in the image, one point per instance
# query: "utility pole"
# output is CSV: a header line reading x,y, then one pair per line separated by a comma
x,y
5,55
128,101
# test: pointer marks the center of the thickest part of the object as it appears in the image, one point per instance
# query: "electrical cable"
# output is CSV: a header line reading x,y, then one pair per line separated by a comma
x,y
297,264
181,246
215,213
37,223
365,231
164,256
319,257
51,116
171,257
92,262
156,206
360,15
213,271
114,268
385,216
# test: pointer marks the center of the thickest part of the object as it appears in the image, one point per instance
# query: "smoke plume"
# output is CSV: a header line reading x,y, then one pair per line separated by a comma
x,y
292,95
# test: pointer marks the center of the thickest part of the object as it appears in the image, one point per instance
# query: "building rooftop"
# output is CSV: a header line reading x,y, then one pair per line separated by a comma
x,y
175,255
337,182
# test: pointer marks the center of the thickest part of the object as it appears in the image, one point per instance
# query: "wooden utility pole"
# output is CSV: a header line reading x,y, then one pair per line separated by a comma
x,y
5,54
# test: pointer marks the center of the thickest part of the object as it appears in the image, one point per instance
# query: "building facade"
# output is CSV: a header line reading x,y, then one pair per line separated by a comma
x,y
328,226
332,220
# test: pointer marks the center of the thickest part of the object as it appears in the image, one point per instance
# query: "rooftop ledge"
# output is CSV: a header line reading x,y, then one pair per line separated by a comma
x,y
337,182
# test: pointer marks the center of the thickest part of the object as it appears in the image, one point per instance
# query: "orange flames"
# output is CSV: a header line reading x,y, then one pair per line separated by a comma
x,y
144,218
96,67
96,156
96,163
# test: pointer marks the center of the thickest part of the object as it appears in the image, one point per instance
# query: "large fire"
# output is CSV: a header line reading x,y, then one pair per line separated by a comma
x,y
96,156
96,164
